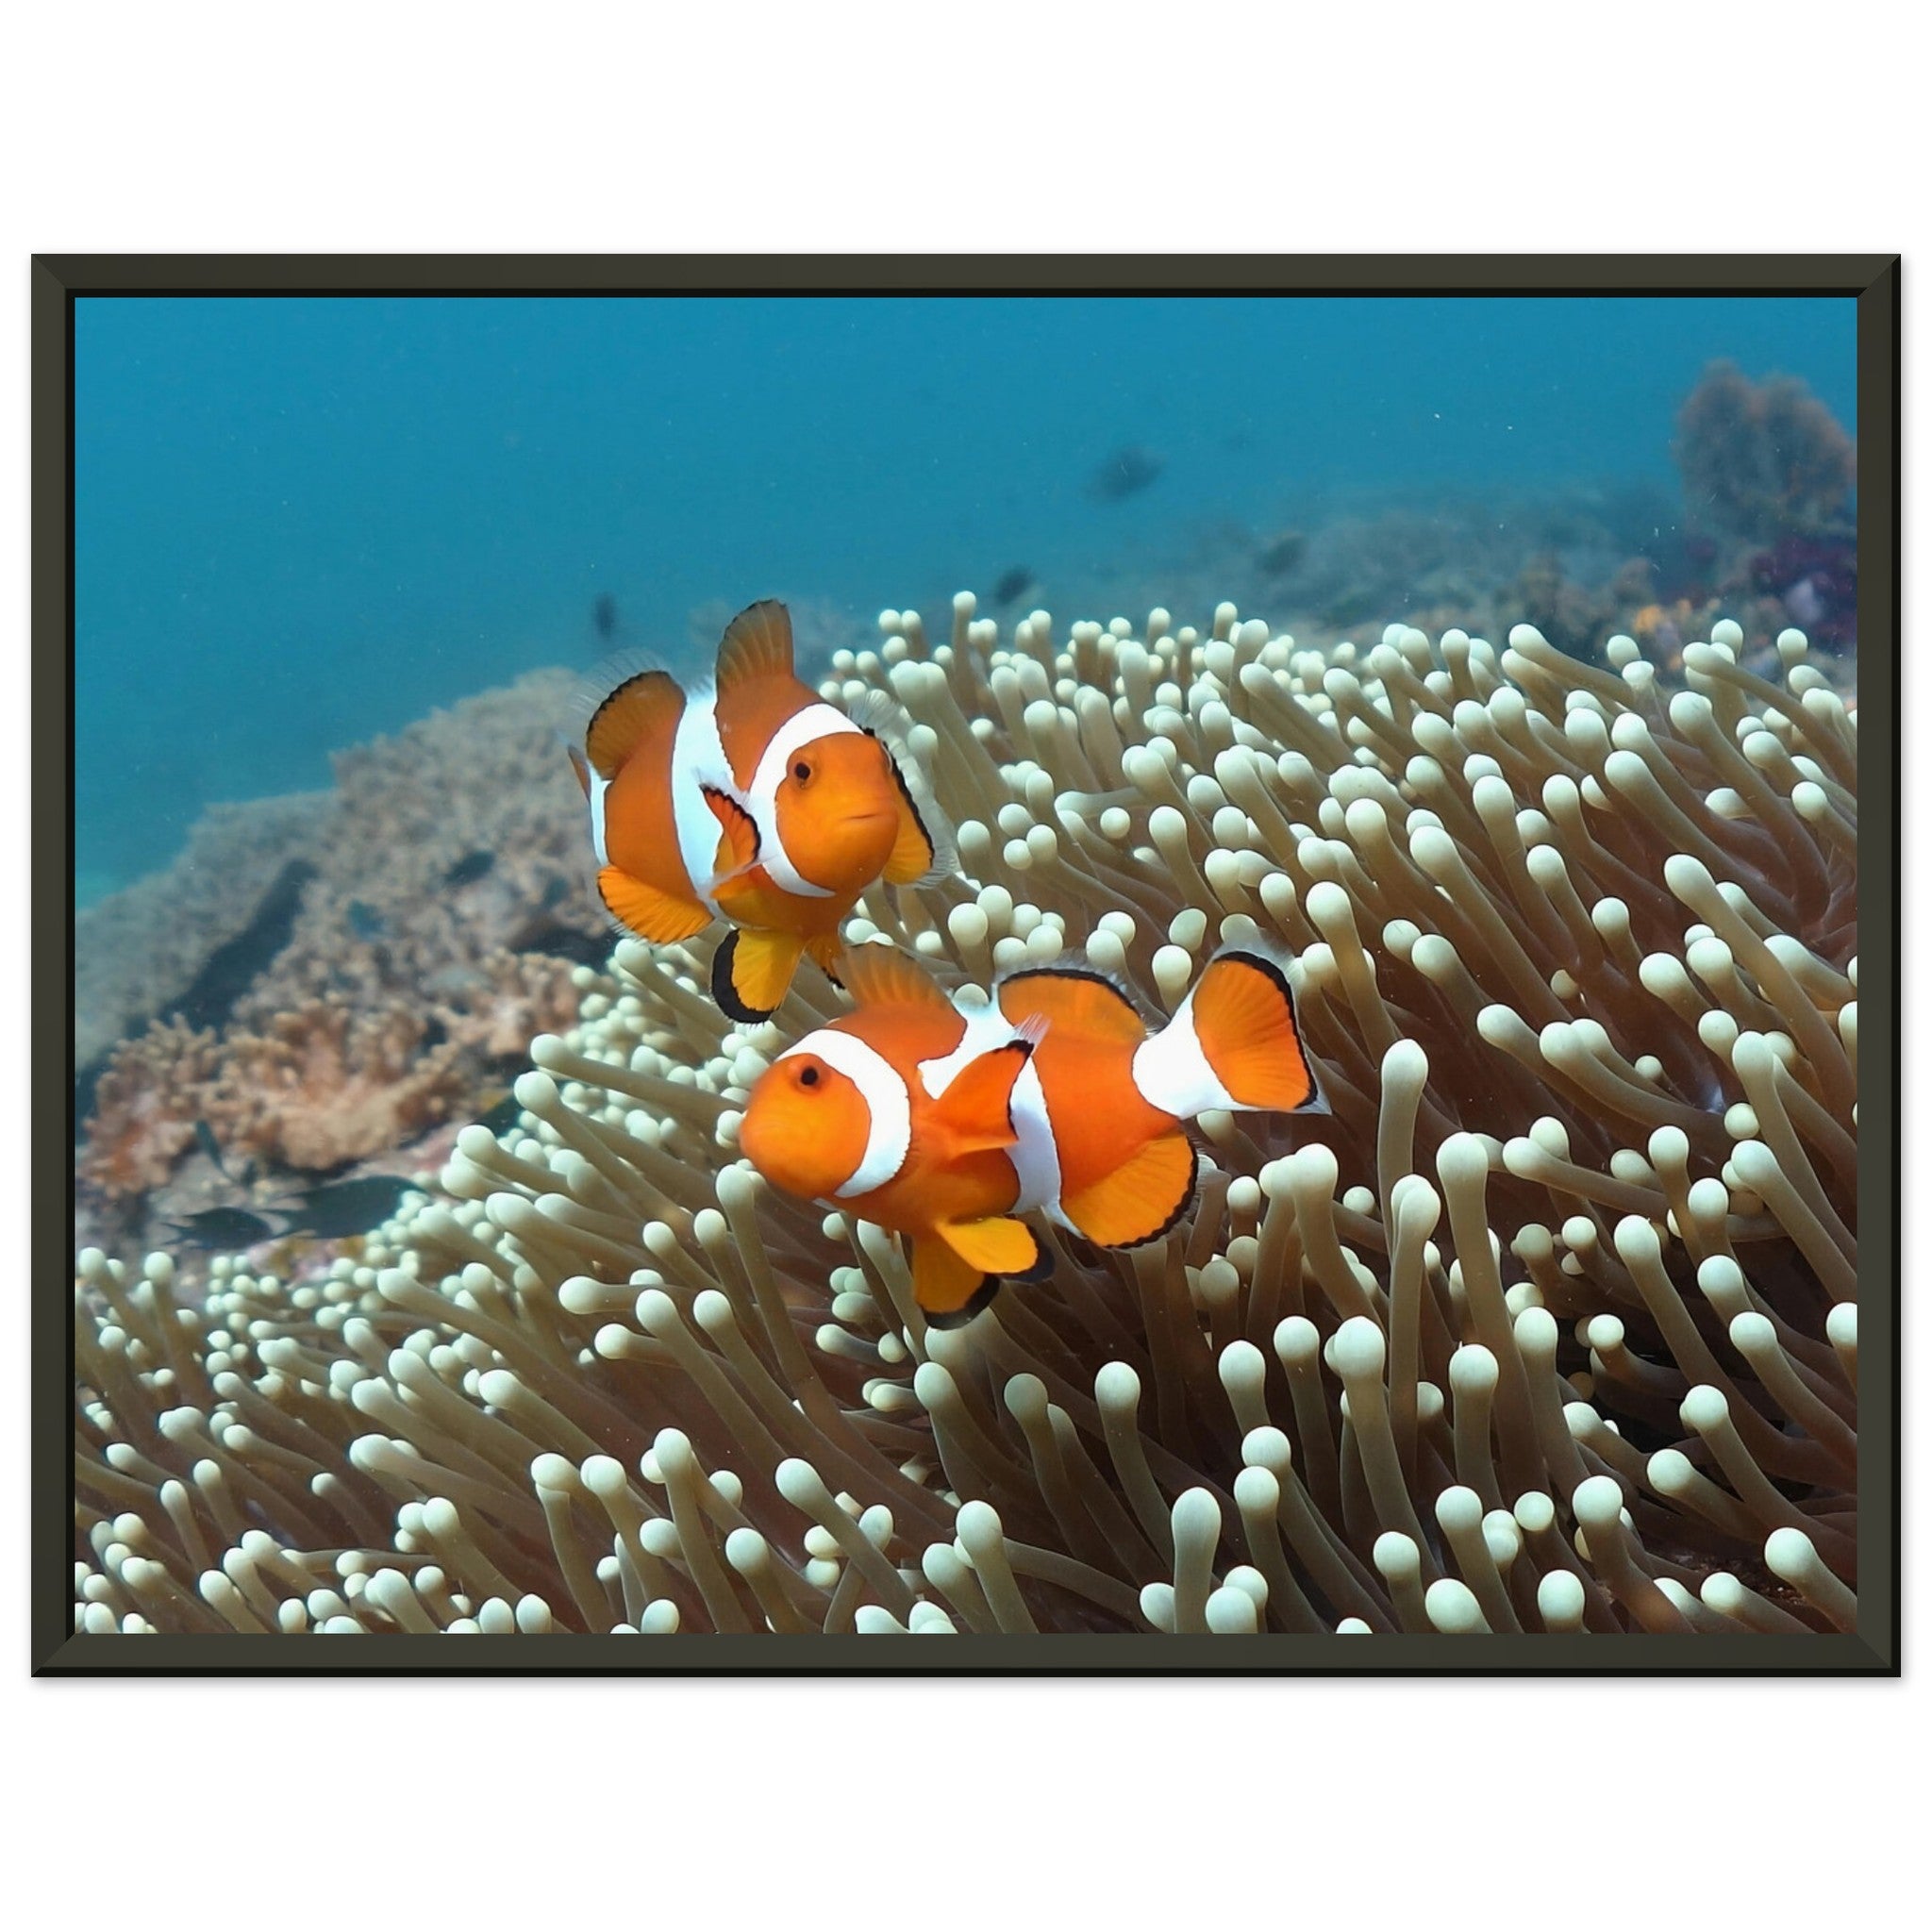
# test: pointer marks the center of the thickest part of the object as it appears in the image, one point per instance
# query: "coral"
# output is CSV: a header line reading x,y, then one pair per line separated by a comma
x,y
138,1128
1760,461
138,952
425,919
327,1084
1550,1326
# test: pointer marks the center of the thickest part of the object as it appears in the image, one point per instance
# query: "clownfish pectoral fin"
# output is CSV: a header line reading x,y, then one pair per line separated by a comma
x,y
998,1244
912,855
976,1113
950,1290
923,848
756,644
738,842
1139,1201
752,972
581,765
647,704
882,975
1244,1019
660,917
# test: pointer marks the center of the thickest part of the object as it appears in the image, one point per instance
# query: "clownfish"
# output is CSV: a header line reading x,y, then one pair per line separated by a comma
x,y
943,1121
756,802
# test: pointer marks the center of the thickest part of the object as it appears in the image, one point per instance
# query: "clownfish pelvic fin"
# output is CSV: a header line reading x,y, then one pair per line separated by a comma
x,y
752,972
995,1244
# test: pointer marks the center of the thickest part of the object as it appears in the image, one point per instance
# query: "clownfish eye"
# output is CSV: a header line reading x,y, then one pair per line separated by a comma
x,y
807,1076
801,771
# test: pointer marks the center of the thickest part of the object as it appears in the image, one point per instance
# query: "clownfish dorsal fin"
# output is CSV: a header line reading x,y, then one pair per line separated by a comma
x,y
738,844
645,705
756,644
975,1113
827,953
1078,997
882,975
1139,1201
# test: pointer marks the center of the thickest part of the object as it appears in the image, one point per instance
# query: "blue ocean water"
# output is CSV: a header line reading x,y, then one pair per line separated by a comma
x,y
301,521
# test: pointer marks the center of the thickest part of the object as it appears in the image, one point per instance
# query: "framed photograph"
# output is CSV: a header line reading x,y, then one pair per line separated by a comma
x,y
1134,962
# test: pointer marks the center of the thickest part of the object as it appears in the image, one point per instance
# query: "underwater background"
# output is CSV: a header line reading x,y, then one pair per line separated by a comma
x,y
1494,660
341,562
301,521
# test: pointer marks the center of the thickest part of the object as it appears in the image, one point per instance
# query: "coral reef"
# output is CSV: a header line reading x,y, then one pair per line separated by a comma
x,y
390,949
1551,1326
1768,477
138,952
1761,461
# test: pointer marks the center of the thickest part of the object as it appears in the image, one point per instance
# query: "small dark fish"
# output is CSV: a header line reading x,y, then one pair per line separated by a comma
x,y
471,867
503,1116
205,1140
1125,473
365,922
603,616
1012,584
226,1230
1280,555
340,1208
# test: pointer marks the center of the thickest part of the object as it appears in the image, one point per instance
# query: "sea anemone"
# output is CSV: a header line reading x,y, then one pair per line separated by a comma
x,y
1549,1325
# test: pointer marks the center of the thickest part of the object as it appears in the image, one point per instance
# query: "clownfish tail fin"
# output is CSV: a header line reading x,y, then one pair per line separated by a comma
x,y
756,644
1244,1019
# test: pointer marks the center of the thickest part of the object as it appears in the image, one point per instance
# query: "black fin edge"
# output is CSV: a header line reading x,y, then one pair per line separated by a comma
x,y
725,994
608,699
1317,1101
957,1318
1076,971
758,837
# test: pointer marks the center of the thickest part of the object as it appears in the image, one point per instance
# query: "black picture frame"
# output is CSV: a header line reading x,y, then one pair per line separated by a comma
x,y
1873,281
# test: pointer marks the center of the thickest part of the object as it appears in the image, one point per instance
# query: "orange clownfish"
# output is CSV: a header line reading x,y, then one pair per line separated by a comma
x,y
757,803
943,1120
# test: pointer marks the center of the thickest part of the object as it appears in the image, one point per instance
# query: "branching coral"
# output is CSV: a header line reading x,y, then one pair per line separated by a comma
x,y
139,1129
1550,1326
327,1085
440,902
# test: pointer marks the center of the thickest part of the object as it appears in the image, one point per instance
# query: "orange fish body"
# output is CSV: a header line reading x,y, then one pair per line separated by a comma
x,y
757,803
943,1121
